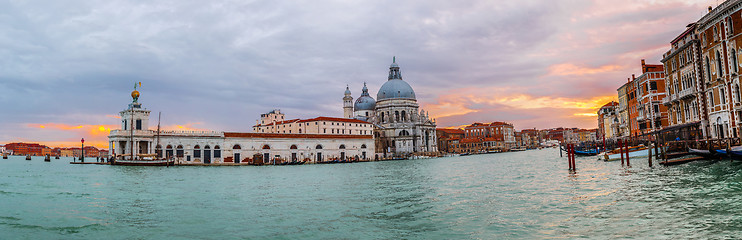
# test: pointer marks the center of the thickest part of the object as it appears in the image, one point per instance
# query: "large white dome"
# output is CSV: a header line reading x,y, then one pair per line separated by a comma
x,y
395,88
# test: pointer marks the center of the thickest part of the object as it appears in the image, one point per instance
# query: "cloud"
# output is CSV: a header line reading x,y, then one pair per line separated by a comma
x,y
566,69
222,63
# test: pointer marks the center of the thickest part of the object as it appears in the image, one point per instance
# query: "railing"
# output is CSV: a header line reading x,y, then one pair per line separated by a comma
x,y
120,132
666,100
687,92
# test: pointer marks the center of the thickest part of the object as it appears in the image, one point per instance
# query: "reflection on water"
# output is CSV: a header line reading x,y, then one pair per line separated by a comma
x,y
509,195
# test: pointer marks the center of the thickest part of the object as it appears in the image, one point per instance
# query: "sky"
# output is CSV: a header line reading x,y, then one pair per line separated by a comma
x,y
68,67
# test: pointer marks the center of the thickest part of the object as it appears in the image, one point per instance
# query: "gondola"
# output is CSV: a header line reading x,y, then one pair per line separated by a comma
x,y
591,152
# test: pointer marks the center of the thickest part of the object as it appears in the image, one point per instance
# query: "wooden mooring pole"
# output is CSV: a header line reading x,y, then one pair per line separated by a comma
x,y
627,154
561,148
574,165
620,149
650,154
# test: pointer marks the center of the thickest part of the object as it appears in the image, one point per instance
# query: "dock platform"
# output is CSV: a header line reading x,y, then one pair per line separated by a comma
x,y
93,163
680,161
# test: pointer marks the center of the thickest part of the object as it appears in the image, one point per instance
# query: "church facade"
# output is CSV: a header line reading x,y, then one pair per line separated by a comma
x,y
400,127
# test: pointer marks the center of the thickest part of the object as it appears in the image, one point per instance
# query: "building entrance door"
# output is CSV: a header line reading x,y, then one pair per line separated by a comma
x,y
236,157
293,157
266,157
319,157
207,156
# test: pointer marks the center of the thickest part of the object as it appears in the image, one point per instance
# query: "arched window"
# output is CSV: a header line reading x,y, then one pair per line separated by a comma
x,y
404,116
382,116
207,147
363,146
342,146
158,151
318,147
217,152
196,151
708,69
294,146
179,151
266,146
396,116
299,130
169,151
236,146
735,64
719,68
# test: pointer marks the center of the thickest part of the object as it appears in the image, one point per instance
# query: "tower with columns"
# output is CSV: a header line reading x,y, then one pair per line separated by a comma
x,y
347,104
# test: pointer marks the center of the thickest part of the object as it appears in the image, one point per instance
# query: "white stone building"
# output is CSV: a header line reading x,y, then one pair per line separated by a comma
x,y
273,122
346,139
400,127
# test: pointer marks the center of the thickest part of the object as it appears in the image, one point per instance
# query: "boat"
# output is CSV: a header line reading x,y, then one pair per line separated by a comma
x,y
154,162
734,152
517,149
28,157
591,152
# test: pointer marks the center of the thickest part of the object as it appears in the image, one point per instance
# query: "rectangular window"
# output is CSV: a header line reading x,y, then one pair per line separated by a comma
x,y
197,153
217,153
179,153
139,124
653,85
657,109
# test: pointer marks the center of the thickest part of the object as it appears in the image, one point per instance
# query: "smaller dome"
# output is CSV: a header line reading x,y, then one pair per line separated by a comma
x,y
347,90
364,103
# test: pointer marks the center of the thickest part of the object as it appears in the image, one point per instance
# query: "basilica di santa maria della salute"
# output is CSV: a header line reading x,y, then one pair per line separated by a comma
x,y
400,128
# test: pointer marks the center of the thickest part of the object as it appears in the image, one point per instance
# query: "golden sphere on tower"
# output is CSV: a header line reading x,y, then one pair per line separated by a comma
x,y
135,94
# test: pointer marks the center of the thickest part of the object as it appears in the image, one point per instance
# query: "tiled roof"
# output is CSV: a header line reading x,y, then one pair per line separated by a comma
x,y
281,122
334,119
451,130
283,135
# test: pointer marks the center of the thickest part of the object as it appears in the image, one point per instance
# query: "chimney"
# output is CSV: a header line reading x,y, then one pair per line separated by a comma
x,y
643,62
632,76
709,8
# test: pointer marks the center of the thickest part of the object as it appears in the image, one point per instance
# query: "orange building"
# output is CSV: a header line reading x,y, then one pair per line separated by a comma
x,y
489,136
449,140
644,100
33,149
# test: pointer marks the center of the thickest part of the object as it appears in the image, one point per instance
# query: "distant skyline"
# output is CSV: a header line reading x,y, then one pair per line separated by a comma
x,y
67,68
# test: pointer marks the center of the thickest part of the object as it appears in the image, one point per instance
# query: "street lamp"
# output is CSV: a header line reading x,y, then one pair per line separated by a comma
x,y
82,150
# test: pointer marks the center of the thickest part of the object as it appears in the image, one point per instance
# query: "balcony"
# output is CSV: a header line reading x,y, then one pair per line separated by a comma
x,y
666,100
639,118
688,92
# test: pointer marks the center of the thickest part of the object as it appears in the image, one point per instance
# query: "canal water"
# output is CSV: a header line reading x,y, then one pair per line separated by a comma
x,y
495,196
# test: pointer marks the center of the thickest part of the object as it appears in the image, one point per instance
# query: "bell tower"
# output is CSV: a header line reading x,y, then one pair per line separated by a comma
x,y
347,104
